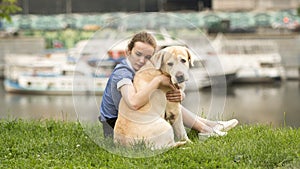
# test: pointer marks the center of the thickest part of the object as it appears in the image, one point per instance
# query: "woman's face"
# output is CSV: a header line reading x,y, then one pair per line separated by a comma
x,y
140,54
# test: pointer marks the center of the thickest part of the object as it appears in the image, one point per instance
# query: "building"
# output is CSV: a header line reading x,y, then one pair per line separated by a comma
x,y
252,5
103,6
46,7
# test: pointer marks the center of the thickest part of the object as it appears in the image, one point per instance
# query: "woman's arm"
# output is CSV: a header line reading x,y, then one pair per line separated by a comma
x,y
134,99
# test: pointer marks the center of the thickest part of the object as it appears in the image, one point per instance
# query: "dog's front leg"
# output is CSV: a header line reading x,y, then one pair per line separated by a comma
x,y
174,116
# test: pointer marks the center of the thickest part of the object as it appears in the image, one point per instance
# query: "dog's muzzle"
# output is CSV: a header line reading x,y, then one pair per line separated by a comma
x,y
179,77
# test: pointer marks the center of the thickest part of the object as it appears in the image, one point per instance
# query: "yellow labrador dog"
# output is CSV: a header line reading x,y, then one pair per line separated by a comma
x,y
156,122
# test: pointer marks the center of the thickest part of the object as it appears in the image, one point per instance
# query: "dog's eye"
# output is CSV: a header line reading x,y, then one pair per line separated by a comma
x,y
170,64
182,60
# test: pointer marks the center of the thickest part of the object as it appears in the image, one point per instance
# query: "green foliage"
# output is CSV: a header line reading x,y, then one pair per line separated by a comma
x,y
51,144
67,37
8,7
298,11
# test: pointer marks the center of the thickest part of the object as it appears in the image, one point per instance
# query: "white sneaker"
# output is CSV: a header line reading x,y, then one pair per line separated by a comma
x,y
215,133
226,125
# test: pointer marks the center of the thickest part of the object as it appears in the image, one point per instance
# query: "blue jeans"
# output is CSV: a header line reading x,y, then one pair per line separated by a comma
x,y
108,127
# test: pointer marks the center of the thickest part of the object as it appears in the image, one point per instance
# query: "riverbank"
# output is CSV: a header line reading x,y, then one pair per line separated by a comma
x,y
56,144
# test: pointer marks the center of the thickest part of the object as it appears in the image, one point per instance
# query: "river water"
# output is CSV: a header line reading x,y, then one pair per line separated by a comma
x,y
272,103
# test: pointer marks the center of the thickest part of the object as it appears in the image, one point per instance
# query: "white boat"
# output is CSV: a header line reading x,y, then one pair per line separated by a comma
x,y
202,77
43,76
54,85
255,60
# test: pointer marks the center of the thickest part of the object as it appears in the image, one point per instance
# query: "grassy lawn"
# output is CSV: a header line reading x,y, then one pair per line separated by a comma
x,y
50,144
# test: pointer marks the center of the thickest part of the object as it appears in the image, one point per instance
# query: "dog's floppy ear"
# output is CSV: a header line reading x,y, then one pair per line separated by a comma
x,y
157,59
191,57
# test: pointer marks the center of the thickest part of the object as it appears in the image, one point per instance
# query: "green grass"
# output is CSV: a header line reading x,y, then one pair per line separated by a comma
x,y
50,144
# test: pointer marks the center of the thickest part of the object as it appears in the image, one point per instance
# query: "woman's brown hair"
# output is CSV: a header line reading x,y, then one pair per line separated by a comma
x,y
144,37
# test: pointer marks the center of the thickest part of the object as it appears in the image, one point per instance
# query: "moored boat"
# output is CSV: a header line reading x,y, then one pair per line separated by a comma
x,y
255,60
43,76
55,85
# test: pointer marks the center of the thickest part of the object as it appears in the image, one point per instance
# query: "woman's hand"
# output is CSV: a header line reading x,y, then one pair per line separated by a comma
x,y
175,95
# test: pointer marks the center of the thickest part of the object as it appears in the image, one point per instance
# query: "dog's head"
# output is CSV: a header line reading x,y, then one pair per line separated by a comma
x,y
174,61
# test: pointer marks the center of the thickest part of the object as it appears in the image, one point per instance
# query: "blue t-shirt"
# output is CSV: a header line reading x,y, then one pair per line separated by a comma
x,y
121,75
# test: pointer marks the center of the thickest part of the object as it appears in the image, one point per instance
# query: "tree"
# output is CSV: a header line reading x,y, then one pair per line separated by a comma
x,y
8,7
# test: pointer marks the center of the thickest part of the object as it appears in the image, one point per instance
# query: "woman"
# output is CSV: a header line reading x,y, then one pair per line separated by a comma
x,y
140,49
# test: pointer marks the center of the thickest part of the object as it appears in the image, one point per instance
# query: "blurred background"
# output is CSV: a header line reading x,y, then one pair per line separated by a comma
x,y
255,43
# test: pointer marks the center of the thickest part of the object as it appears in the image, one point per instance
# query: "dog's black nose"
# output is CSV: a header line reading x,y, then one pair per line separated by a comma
x,y
179,77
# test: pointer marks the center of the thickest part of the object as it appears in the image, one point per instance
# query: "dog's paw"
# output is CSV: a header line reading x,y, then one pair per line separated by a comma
x,y
186,138
183,142
180,143
189,141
